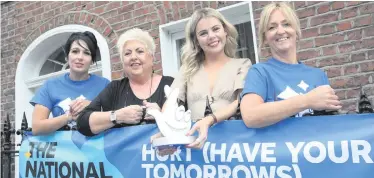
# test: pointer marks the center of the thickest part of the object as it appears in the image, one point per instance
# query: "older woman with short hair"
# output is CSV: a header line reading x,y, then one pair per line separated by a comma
x,y
283,86
124,101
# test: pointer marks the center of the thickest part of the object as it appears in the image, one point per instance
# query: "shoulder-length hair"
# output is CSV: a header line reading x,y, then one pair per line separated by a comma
x,y
192,54
287,11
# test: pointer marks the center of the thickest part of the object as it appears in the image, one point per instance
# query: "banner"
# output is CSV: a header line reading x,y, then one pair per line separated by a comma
x,y
308,147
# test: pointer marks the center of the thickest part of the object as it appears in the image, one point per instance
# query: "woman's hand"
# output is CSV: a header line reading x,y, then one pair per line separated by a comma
x,y
323,98
202,126
148,105
130,115
77,106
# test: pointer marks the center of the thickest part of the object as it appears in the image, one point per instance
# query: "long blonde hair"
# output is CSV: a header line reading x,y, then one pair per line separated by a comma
x,y
287,11
192,54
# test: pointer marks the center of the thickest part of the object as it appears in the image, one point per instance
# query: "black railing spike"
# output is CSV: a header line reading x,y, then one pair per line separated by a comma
x,y
7,128
24,124
364,104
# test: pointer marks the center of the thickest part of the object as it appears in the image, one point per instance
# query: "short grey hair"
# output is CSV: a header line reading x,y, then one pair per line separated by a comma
x,y
139,35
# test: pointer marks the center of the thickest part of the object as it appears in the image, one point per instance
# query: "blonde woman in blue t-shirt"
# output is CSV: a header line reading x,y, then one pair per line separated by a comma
x,y
283,86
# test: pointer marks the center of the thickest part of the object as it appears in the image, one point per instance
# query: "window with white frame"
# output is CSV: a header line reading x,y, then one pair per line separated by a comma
x,y
172,37
57,61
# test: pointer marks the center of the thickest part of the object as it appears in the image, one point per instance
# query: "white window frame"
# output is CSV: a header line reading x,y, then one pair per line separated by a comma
x,y
173,31
27,78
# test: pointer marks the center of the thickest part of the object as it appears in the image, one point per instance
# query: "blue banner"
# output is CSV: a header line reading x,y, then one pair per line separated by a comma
x,y
308,147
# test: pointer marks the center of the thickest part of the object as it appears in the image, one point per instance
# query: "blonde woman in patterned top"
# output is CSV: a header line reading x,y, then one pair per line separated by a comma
x,y
210,71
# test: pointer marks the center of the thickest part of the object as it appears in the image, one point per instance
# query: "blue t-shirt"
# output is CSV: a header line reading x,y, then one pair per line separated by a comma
x,y
55,91
275,80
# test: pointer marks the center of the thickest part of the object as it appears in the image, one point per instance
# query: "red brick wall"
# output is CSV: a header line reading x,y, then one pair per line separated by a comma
x,y
23,22
339,38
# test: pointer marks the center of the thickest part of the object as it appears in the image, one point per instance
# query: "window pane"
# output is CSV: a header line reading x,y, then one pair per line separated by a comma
x,y
56,62
245,41
49,67
180,44
58,55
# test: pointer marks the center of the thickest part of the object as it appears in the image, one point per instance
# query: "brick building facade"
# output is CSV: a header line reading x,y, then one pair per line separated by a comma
x,y
336,36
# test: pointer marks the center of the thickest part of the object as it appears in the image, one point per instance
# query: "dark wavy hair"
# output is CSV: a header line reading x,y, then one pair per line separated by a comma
x,y
87,37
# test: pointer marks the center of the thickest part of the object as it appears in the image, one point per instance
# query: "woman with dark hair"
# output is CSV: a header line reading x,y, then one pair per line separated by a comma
x,y
67,95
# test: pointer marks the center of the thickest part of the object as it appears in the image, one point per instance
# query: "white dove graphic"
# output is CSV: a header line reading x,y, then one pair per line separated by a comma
x,y
174,121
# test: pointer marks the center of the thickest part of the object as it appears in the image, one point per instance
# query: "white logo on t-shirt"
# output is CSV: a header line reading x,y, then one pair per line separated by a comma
x,y
289,92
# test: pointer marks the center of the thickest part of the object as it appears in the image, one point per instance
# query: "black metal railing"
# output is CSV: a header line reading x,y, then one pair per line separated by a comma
x,y
8,150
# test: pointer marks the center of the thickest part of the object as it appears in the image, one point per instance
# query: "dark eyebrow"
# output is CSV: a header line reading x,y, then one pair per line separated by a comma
x,y
201,31
206,30
76,48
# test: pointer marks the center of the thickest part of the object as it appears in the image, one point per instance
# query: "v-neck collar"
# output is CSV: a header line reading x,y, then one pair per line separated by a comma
x,y
205,73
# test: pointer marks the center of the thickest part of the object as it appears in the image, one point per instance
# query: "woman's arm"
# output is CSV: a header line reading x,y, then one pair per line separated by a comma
x,y
256,113
203,125
103,100
41,125
93,120
100,121
222,114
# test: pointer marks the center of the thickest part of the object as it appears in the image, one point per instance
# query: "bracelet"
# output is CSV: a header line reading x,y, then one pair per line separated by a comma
x,y
214,118
70,119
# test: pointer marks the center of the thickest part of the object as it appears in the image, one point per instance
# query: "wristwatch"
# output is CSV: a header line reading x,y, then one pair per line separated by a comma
x,y
113,117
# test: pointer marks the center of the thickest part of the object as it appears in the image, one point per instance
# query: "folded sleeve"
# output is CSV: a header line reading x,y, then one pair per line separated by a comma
x,y
256,83
43,97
